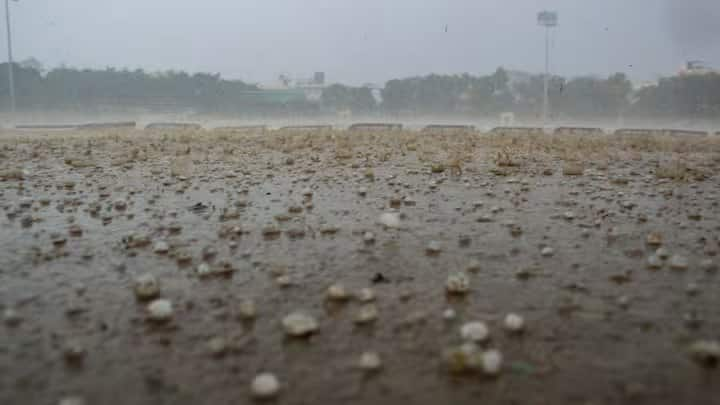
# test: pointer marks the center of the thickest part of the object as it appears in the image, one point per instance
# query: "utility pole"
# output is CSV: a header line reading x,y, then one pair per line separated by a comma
x,y
548,20
11,77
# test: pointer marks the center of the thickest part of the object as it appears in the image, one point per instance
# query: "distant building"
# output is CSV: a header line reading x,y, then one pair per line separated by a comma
x,y
695,67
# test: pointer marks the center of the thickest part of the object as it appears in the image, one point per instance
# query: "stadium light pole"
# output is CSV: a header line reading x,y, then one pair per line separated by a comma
x,y
11,77
548,20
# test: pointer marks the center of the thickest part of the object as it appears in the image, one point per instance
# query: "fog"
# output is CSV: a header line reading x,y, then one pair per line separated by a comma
x,y
369,41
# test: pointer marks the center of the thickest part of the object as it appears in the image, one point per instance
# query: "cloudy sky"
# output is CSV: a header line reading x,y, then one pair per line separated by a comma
x,y
357,41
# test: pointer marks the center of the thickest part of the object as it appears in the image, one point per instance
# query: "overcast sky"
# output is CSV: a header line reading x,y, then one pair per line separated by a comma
x,y
357,41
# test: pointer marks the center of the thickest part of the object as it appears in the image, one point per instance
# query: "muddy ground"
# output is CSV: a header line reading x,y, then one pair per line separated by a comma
x,y
279,218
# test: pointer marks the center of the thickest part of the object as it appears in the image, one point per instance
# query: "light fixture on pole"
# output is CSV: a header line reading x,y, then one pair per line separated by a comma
x,y
549,20
11,78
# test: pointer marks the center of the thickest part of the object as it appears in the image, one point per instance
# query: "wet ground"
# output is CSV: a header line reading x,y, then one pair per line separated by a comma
x,y
563,231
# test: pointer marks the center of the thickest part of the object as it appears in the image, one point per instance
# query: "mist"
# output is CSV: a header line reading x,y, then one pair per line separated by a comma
x,y
372,41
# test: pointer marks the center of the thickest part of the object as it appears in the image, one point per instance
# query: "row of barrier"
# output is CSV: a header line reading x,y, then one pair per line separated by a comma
x,y
592,131
377,127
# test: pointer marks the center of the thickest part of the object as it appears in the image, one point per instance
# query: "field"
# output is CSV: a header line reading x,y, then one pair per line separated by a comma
x,y
399,246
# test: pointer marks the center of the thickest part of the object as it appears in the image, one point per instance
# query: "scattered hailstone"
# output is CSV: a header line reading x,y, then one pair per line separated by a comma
x,y
706,352
449,314
390,220
662,253
692,289
161,247
547,251
247,310
463,358
11,317
654,262
514,323
265,385
474,332
491,362
457,284
366,295
366,314
708,265
299,324
370,361
678,262
307,192
147,287
569,215
369,237
160,310
337,292
283,281
203,270
433,247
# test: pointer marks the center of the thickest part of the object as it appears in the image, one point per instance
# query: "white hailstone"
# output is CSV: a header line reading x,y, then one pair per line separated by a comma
x,y
362,191
390,220
120,204
708,265
366,295
433,247
161,247
72,401
491,362
265,385
457,283
474,266
514,323
203,270
654,262
623,302
569,215
474,331
337,292
160,310
692,289
247,309
283,281
299,324
662,253
11,317
449,314
307,192
366,314
147,287
370,361
678,262
547,251
369,237
706,352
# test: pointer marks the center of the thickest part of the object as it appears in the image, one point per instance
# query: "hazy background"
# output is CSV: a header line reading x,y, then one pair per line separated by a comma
x,y
367,41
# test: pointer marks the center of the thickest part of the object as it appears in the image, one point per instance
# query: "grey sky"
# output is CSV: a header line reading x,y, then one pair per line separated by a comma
x,y
358,41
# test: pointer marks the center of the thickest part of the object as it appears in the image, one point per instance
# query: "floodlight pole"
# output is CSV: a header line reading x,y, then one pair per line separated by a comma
x,y
546,79
548,20
11,77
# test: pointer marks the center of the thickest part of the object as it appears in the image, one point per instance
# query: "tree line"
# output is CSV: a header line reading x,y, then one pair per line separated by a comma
x,y
687,96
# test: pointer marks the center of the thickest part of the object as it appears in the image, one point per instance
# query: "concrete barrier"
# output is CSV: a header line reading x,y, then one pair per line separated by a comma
x,y
47,126
243,128
517,131
583,131
449,129
109,125
637,132
306,128
173,125
684,132
375,126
